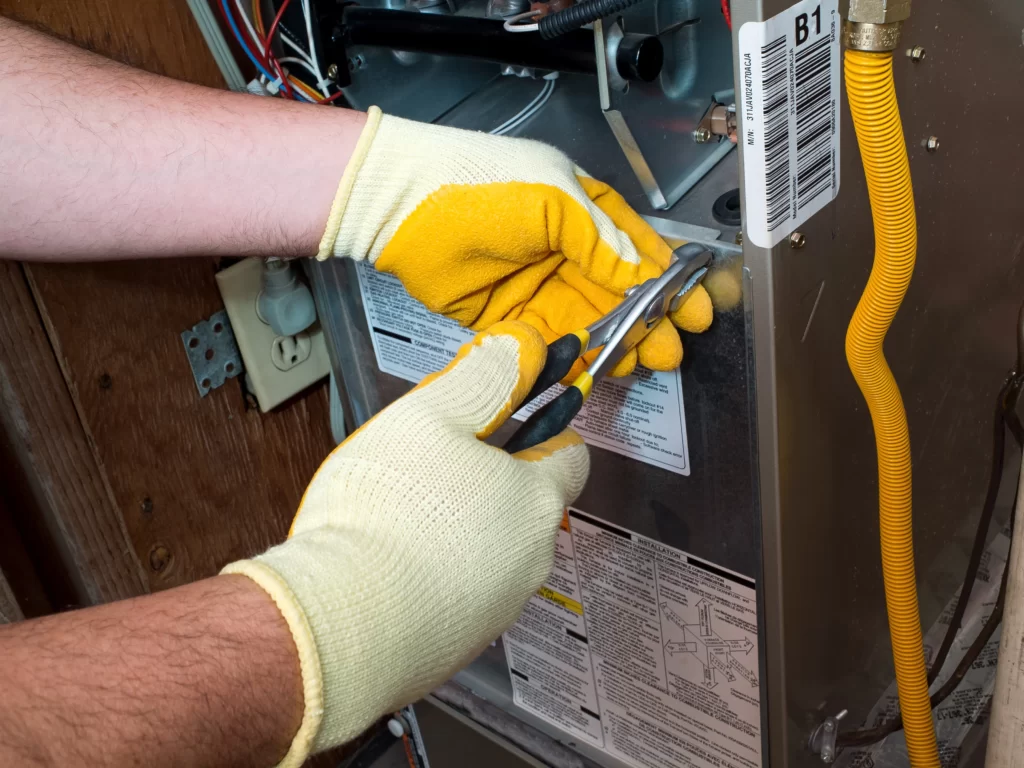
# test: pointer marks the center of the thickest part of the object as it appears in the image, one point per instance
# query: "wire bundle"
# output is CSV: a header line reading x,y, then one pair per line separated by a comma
x,y
258,47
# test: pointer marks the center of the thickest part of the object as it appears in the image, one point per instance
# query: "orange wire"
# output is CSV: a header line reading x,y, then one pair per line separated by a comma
x,y
257,16
305,89
408,751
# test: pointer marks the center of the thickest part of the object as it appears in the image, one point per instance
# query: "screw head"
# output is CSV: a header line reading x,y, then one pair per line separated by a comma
x,y
931,143
332,72
917,53
797,241
702,135
739,238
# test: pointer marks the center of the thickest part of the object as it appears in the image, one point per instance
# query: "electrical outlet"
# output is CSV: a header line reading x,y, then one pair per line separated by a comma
x,y
276,367
290,351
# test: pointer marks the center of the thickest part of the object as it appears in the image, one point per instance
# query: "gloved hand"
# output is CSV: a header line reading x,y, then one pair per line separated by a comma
x,y
416,544
476,227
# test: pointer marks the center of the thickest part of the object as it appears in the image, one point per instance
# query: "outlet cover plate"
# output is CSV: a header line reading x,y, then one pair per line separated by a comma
x,y
240,286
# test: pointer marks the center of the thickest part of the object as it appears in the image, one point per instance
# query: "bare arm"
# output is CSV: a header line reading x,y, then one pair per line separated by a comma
x,y
99,160
205,674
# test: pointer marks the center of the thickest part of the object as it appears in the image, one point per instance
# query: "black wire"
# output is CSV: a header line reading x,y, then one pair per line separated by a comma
x,y
1005,418
871,735
981,536
981,640
579,15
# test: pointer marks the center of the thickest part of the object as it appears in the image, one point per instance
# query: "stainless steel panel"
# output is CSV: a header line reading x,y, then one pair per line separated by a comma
x,y
950,347
712,513
654,121
657,119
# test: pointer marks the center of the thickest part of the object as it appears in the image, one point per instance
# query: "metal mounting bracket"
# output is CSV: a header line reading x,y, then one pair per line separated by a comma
x,y
212,352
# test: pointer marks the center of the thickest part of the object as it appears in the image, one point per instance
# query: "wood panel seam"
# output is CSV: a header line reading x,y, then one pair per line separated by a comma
x,y
49,436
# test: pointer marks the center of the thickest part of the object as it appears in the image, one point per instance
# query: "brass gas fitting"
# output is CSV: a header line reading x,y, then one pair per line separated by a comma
x,y
874,25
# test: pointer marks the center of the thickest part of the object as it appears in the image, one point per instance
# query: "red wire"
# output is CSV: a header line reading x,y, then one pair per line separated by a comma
x,y
273,27
727,13
254,45
270,56
329,99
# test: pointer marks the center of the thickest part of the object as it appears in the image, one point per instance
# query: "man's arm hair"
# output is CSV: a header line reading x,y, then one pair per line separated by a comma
x,y
205,674
102,161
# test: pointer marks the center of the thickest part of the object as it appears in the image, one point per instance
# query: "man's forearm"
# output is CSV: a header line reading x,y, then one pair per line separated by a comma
x,y
100,160
205,674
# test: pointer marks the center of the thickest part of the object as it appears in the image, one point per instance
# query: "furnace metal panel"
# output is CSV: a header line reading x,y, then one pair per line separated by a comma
x,y
713,512
783,486
950,348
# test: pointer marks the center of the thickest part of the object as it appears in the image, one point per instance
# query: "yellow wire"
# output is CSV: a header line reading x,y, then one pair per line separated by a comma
x,y
257,17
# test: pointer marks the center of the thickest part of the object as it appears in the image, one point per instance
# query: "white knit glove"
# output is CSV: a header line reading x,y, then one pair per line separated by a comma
x,y
417,544
485,228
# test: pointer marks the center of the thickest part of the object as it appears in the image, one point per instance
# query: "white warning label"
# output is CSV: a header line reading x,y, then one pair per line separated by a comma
x,y
640,416
641,650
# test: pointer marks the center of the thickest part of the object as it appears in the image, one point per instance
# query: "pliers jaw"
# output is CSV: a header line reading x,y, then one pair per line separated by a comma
x,y
628,324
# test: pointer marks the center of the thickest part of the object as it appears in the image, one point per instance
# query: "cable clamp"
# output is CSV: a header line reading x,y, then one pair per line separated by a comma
x,y
823,738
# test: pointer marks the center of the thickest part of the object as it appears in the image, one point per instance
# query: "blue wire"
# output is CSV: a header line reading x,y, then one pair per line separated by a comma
x,y
241,42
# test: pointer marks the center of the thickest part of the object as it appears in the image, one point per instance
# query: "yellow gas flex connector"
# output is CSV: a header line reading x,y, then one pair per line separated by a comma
x,y
871,34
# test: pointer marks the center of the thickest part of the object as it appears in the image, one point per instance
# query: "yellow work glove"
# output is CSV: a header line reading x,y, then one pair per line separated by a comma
x,y
477,226
416,544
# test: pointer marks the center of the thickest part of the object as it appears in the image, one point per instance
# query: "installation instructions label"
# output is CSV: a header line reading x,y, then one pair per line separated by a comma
x,y
789,117
640,416
641,650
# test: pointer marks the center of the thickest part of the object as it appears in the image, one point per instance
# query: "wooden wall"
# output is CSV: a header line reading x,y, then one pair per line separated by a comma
x,y
129,477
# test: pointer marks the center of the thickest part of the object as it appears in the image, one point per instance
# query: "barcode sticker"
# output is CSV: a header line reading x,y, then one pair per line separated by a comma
x,y
789,118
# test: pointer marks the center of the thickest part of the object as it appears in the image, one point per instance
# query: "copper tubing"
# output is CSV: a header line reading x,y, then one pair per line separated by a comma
x,y
876,116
